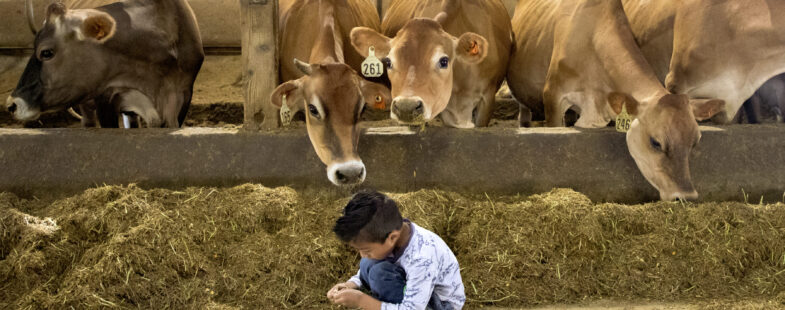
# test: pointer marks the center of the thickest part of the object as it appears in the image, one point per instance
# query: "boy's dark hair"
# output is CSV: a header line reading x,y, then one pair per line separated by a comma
x,y
369,216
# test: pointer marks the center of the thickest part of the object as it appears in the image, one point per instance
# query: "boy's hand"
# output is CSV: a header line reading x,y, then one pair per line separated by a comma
x,y
332,293
348,297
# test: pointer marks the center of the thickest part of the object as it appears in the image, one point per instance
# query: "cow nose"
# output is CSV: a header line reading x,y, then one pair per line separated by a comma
x,y
408,109
348,173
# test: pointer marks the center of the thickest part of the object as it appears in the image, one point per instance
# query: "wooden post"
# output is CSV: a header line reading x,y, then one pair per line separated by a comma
x,y
260,61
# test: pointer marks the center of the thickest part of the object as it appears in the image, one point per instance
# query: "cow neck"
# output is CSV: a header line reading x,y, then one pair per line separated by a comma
x,y
623,59
329,43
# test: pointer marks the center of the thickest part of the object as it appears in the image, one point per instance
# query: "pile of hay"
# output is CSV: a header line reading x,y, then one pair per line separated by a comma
x,y
261,248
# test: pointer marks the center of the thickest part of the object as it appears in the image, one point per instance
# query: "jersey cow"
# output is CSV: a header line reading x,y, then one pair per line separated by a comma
x,y
581,54
325,85
721,49
138,56
443,57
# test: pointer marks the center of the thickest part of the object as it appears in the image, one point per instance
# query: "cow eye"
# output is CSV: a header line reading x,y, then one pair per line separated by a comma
x,y
47,54
444,62
387,63
656,145
313,110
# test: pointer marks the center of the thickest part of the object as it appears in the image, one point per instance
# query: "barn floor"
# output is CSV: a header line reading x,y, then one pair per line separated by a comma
x,y
252,247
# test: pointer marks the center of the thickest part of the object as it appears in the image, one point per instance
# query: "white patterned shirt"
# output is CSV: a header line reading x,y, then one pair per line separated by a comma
x,y
431,268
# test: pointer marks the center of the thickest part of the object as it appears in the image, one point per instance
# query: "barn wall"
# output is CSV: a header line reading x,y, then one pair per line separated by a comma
x,y
219,20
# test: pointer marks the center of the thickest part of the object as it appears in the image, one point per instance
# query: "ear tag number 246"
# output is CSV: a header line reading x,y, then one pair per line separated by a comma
x,y
372,66
623,121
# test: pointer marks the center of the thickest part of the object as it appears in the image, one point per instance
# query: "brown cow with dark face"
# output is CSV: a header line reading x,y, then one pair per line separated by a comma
x,y
328,89
443,57
138,56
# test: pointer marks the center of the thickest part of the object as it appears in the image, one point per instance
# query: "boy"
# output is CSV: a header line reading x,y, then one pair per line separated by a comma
x,y
404,266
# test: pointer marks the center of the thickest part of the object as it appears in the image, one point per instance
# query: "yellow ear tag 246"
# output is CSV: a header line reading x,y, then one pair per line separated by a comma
x,y
623,120
286,113
372,66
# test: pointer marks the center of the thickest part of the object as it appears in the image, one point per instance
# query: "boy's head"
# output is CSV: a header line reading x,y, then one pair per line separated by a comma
x,y
371,223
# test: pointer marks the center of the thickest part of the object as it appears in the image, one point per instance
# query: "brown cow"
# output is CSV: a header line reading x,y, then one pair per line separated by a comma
x,y
443,57
581,54
328,89
721,49
130,56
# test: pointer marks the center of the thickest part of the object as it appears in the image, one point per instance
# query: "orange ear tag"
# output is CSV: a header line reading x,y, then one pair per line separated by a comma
x,y
372,66
379,104
623,120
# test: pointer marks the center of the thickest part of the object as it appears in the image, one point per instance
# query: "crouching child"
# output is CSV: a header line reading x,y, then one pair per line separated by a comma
x,y
403,266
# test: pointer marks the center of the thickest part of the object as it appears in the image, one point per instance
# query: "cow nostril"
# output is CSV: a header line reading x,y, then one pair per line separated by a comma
x,y
12,108
340,176
419,109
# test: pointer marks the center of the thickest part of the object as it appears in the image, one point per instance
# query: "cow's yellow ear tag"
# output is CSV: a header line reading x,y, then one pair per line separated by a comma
x,y
372,66
286,113
623,120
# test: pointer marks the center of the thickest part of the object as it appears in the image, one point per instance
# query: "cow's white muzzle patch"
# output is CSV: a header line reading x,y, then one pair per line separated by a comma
x,y
20,109
346,173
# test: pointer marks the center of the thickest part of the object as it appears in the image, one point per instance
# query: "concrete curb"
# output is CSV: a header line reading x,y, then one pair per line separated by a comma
x,y
496,160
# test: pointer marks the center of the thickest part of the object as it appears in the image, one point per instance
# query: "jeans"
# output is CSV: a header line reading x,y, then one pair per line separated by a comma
x,y
387,282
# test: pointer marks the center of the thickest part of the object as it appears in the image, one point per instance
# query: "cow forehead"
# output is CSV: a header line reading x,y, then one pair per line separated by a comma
x,y
336,86
418,39
673,122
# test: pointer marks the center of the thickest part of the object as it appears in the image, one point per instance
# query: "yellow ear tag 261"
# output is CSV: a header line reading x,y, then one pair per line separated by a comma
x,y
372,66
623,120
286,113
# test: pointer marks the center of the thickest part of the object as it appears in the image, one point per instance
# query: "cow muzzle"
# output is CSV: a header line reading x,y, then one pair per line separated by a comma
x,y
408,110
679,195
346,173
20,109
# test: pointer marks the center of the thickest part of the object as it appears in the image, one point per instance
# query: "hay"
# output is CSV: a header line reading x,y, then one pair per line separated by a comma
x,y
261,248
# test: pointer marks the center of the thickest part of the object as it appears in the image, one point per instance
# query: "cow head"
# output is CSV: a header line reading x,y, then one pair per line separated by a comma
x,y
420,62
64,68
662,136
332,97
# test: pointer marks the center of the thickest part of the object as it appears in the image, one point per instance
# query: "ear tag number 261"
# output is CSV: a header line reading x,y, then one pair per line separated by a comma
x,y
623,121
372,66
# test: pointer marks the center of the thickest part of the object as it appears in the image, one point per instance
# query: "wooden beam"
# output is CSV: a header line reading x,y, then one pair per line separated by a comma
x,y
260,61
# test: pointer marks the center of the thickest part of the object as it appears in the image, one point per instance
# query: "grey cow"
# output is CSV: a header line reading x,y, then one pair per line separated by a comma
x,y
133,56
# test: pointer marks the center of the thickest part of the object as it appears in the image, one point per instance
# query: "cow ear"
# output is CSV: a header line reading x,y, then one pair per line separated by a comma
x,y
55,10
471,48
375,94
704,109
363,38
617,100
99,27
293,92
